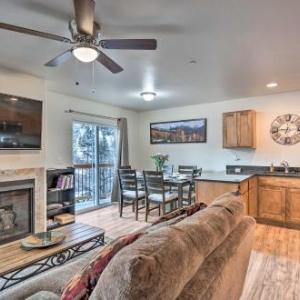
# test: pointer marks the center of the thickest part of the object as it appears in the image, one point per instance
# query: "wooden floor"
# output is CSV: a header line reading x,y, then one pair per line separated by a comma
x,y
274,270
114,226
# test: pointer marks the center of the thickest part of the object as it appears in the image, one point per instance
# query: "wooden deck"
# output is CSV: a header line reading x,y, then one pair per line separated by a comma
x,y
274,270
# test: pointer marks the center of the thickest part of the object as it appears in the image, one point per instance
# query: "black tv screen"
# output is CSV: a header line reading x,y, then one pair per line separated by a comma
x,y
20,123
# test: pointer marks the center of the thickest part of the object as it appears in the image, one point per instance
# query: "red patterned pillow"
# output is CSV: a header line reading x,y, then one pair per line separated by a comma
x,y
190,210
81,286
169,216
184,212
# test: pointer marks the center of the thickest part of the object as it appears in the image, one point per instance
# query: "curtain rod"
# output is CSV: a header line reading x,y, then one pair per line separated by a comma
x,y
71,111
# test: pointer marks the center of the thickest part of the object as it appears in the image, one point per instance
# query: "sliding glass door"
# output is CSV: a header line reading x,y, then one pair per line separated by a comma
x,y
94,156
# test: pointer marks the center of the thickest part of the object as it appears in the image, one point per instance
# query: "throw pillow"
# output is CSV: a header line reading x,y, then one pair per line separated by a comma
x,y
184,212
190,210
169,216
81,286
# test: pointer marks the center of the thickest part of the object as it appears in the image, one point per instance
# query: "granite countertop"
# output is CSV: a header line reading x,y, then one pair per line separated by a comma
x,y
223,177
263,171
246,172
277,174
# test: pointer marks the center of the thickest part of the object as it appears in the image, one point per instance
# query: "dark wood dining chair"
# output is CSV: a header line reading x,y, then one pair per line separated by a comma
x,y
125,167
188,170
189,194
198,172
130,192
157,193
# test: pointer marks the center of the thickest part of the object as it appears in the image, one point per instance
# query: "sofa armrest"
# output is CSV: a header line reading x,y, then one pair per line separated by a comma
x,y
44,295
52,280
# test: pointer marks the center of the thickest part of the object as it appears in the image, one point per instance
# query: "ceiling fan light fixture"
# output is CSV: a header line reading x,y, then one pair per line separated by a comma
x,y
85,54
272,85
148,96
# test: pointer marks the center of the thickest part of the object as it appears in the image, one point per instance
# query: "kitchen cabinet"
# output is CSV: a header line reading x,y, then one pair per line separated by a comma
x,y
239,129
279,200
271,203
245,200
270,199
252,197
230,139
293,206
208,191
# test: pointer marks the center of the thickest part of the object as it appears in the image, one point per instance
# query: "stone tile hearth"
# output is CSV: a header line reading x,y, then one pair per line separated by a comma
x,y
38,175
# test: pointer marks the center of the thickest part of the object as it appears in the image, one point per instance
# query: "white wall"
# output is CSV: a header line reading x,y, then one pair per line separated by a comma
x,y
59,126
30,87
211,155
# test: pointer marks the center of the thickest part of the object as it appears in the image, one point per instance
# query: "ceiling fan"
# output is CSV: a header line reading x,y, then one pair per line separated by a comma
x,y
86,39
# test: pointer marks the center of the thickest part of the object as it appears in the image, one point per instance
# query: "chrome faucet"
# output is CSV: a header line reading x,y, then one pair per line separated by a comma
x,y
286,166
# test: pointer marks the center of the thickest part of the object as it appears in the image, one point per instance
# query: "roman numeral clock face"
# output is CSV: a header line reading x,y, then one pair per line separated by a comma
x,y
285,129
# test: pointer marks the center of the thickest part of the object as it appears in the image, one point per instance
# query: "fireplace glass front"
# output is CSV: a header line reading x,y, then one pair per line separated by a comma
x,y
16,210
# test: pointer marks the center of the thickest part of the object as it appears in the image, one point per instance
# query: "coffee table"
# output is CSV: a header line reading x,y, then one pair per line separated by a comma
x,y
17,265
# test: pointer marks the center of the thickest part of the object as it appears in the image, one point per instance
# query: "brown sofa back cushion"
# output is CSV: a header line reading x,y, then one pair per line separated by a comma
x,y
159,264
222,274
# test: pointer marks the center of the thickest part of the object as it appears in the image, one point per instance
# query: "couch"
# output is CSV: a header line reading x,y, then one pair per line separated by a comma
x,y
205,256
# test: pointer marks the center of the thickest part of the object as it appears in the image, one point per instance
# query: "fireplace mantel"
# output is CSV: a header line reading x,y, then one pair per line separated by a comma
x,y
38,175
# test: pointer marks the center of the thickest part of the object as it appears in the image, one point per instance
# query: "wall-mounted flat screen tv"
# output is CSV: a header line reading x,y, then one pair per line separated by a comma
x,y
20,123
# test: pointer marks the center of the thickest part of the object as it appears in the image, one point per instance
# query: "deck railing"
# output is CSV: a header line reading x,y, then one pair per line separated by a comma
x,y
85,178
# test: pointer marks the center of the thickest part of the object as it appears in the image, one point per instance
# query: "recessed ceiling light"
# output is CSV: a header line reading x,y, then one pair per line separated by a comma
x,y
148,96
85,54
272,85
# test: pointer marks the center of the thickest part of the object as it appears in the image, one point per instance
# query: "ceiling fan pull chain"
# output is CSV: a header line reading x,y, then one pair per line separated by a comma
x,y
93,78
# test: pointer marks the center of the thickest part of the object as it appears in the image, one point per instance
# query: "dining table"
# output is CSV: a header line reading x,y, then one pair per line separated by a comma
x,y
173,180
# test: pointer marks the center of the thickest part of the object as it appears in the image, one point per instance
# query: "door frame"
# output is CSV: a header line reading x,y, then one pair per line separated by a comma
x,y
96,164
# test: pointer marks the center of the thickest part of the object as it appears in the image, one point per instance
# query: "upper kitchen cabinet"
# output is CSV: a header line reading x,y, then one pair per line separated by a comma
x,y
239,129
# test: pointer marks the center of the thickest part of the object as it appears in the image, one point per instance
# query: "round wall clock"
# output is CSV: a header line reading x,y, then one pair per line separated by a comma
x,y
285,129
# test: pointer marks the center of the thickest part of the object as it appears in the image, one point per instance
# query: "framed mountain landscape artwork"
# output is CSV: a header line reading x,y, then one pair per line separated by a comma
x,y
177,132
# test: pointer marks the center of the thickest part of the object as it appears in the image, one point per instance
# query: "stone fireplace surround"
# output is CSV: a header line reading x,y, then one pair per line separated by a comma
x,y
38,175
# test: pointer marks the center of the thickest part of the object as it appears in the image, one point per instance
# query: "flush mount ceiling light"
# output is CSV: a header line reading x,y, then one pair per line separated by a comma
x,y
148,96
85,54
13,99
272,85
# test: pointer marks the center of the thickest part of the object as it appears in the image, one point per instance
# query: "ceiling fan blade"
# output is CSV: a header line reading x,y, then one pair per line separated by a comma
x,y
45,35
109,63
130,44
84,15
60,59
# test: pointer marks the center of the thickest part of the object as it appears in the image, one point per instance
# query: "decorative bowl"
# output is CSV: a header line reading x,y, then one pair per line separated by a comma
x,y
42,240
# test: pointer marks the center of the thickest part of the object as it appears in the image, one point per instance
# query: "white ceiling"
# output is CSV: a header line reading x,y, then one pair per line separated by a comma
x,y
239,46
